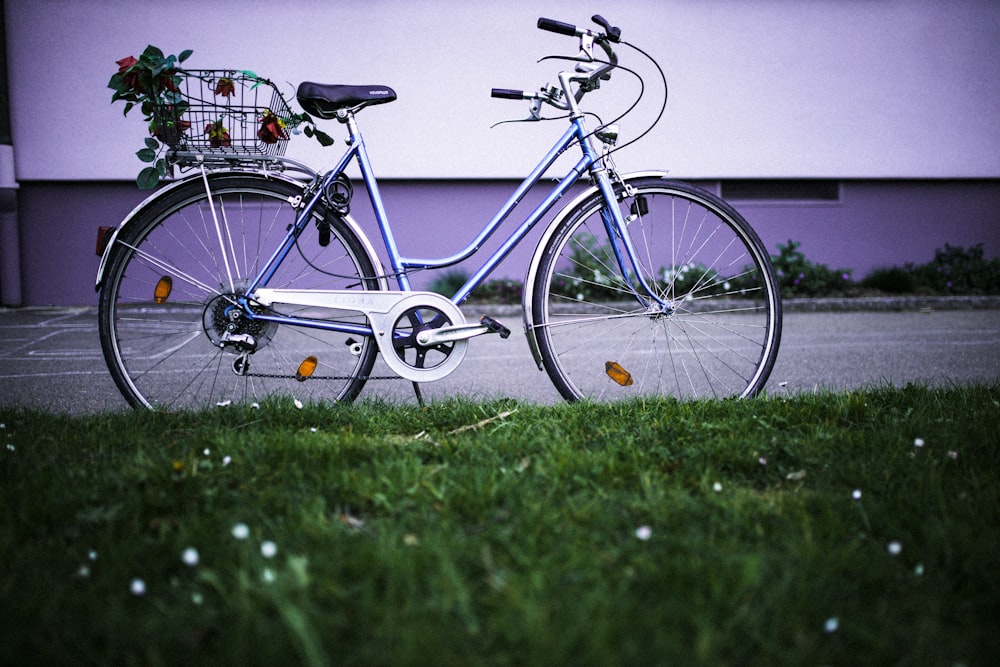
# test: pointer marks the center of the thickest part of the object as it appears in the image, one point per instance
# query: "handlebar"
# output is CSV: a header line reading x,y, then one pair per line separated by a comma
x,y
508,94
612,33
557,27
589,73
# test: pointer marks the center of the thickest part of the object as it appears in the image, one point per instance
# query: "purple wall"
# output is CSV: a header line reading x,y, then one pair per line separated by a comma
x,y
873,224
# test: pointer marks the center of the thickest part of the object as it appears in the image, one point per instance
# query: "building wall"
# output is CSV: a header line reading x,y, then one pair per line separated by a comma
x,y
890,101
872,224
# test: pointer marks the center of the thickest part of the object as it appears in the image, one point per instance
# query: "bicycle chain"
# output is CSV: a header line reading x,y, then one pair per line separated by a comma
x,y
276,376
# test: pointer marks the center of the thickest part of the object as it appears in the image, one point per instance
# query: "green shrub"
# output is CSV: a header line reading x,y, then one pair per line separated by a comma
x,y
501,290
799,276
894,280
449,283
957,270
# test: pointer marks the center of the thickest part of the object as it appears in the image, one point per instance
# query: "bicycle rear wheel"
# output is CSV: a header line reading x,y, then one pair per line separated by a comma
x,y
174,273
600,339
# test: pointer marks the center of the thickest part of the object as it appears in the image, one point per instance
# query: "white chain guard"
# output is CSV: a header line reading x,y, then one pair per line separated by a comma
x,y
383,310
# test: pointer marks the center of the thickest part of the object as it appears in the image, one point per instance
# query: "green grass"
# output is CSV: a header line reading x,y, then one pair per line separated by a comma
x,y
508,534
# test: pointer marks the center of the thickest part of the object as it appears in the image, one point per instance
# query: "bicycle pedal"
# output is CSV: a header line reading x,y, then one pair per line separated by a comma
x,y
494,326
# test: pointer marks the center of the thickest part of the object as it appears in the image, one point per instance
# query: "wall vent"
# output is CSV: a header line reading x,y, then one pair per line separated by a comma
x,y
787,190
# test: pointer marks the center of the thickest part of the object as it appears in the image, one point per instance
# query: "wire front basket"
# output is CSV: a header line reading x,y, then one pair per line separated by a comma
x,y
226,112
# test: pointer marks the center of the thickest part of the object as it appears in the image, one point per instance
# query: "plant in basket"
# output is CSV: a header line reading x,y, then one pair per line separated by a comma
x,y
151,82
155,83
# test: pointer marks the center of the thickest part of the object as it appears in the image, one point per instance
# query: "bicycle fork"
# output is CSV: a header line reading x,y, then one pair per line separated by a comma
x,y
624,250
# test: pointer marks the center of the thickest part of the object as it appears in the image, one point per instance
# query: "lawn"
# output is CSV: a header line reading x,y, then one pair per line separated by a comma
x,y
830,529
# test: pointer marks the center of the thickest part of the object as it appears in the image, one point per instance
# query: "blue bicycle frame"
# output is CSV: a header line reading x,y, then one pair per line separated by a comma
x,y
577,133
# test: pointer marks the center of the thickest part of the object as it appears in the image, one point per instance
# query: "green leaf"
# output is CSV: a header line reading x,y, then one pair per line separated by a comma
x,y
147,178
323,138
152,53
152,143
184,55
161,167
146,154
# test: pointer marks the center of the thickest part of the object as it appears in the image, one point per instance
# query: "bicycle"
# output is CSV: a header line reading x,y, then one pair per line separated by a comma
x,y
248,277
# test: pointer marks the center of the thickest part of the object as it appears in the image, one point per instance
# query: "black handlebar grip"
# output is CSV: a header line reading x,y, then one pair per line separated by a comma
x,y
556,26
614,34
507,94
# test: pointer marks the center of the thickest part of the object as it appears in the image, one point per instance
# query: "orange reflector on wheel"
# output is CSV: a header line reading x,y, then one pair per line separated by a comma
x,y
618,374
163,287
306,369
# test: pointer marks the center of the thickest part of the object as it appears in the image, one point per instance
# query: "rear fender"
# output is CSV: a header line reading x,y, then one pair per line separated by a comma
x,y
131,217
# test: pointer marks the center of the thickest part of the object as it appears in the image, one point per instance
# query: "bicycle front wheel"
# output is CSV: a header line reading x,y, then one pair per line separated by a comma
x,y
715,329
167,326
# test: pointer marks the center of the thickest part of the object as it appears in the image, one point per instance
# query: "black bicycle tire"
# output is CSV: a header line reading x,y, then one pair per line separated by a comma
x,y
157,210
741,229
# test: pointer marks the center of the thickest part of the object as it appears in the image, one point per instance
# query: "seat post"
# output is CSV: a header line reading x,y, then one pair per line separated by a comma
x,y
347,117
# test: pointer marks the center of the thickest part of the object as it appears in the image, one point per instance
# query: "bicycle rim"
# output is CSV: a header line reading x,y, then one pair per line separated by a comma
x,y
179,266
600,338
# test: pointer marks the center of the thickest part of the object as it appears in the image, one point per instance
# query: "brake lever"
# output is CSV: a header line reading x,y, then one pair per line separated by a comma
x,y
614,34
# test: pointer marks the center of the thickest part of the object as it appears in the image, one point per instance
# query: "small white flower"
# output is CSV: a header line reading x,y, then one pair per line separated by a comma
x,y
894,548
313,429
832,624
226,460
241,531
717,487
268,549
953,455
918,442
83,572
206,451
255,405
643,532
856,494
197,598
190,556
224,403
762,460
92,555
919,570
268,576
298,404
138,587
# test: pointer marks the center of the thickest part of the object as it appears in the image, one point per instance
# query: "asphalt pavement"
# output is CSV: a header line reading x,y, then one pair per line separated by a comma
x,y
51,358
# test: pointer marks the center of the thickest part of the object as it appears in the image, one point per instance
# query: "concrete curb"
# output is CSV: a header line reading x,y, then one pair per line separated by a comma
x,y
819,305
890,303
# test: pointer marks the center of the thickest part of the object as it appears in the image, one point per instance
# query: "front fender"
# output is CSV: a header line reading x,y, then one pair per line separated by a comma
x,y
529,281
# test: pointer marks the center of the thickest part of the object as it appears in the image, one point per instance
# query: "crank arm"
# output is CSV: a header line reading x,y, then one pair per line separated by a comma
x,y
451,334
454,333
